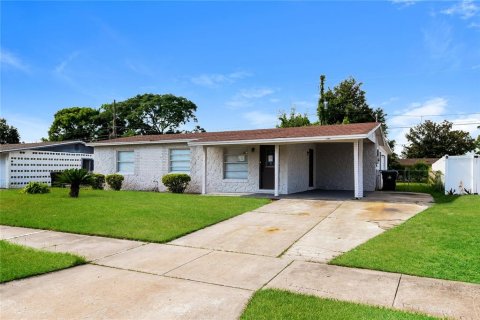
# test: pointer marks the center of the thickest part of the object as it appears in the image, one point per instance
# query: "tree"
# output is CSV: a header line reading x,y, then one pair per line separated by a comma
x,y
322,116
8,134
75,124
393,163
293,120
347,103
149,114
434,140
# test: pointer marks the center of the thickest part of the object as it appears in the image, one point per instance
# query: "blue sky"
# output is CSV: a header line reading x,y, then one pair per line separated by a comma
x,y
241,62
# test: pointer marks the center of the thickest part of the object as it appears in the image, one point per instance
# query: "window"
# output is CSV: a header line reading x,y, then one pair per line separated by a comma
x,y
235,164
180,160
125,161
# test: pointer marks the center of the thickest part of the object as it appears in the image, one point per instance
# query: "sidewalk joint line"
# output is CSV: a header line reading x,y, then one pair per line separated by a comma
x,y
396,291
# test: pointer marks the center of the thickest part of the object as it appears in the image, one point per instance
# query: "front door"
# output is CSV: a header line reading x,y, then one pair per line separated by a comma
x,y
267,167
310,168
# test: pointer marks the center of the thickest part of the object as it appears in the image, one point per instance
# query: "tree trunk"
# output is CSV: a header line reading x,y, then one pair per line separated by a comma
x,y
74,190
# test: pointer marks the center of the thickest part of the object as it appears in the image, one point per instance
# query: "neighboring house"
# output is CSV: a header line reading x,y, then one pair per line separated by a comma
x,y
277,161
410,162
25,162
460,174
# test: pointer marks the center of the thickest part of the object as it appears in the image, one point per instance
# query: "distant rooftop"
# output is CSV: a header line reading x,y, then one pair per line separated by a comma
x,y
36,145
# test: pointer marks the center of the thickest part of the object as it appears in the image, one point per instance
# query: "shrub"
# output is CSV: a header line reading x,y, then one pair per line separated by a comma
x,y
419,172
435,181
176,182
75,178
114,181
55,179
98,181
36,188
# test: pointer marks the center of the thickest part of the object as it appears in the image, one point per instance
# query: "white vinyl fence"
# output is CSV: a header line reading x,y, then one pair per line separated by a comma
x,y
461,174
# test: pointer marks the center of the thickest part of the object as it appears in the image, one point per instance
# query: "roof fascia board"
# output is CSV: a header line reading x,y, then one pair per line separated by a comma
x,y
345,138
102,144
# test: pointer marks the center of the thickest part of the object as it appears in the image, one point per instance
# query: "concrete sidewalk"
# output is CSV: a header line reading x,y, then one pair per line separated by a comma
x,y
213,272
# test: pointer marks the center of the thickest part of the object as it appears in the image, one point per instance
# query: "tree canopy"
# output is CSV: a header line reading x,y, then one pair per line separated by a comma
x,y
140,115
8,134
294,119
347,103
75,123
434,140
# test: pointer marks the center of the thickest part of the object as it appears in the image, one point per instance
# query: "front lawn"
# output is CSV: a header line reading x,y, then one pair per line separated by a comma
x,y
440,242
148,216
18,262
277,304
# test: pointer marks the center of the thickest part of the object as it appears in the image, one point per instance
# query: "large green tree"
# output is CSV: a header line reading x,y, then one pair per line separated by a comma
x,y
142,114
294,119
434,140
347,103
8,134
75,123
149,114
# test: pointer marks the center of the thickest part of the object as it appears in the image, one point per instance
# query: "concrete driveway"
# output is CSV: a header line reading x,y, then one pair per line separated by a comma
x,y
312,230
211,274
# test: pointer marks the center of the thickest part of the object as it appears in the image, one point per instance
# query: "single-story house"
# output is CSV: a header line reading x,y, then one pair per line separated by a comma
x,y
277,161
25,162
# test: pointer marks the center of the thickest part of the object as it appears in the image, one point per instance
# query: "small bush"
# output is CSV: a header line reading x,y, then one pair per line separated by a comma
x,y
435,181
36,188
98,181
176,182
114,181
55,179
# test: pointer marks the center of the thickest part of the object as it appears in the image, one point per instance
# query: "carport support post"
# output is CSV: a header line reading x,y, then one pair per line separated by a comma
x,y
204,175
277,168
358,168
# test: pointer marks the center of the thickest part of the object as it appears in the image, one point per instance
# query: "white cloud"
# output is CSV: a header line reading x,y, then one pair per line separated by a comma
x,y
60,68
474,25
466,9
246,97
412,115
9,59
256,93
216,79
404,3
441,46
138,67
259,119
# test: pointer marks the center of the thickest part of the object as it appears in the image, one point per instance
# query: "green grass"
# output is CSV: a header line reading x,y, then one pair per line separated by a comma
x,y
441,242
276,304
148,216
18,262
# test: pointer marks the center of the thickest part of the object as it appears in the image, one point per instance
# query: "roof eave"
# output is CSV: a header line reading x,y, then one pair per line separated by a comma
x,y
343,138
126,143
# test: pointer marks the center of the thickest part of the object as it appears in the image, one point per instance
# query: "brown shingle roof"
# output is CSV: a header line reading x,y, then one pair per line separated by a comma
x,y
26,146
411,161
277,133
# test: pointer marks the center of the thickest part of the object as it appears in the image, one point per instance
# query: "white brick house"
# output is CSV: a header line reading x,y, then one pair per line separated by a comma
x,y
277,161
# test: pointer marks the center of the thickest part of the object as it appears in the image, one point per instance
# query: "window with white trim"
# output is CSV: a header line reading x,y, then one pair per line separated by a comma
x,y
125,161
235,164
180,160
